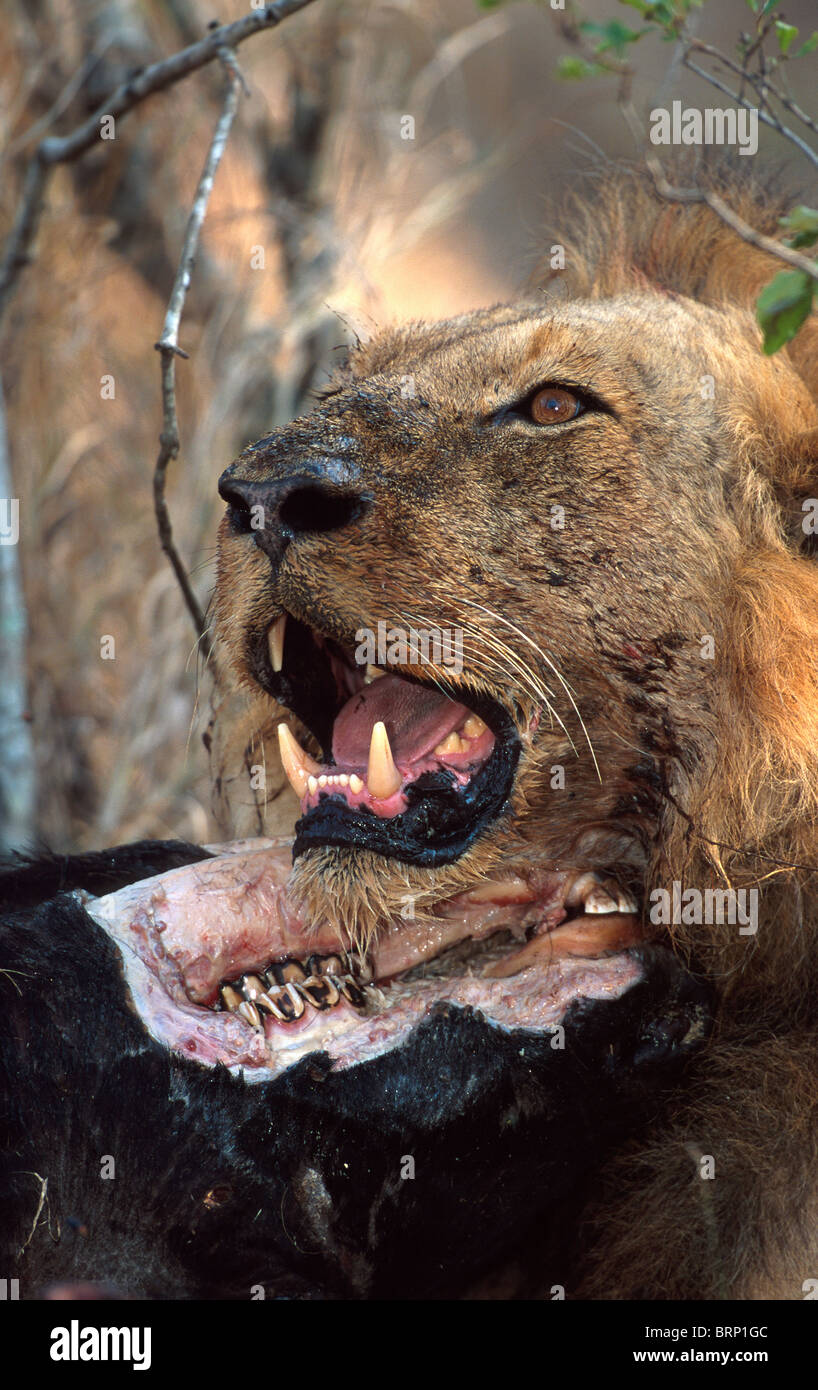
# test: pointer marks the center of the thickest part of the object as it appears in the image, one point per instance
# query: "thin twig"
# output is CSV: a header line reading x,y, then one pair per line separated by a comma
x,y
671,194
168,345
63,149
570,30
769,118
17,766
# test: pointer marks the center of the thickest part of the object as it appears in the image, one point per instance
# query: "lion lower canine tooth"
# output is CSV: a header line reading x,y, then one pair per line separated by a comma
x,y
382,777
275,642
297,764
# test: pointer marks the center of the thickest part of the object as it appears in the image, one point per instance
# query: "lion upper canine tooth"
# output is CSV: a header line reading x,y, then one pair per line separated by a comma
x,y
297,764
601,901
373,673
382,777
275,642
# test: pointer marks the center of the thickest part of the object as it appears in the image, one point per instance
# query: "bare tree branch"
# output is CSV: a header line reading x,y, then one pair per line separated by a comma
x,y
764,114
570,31
712,200
17,767
63,149
755,78
168,345
220,43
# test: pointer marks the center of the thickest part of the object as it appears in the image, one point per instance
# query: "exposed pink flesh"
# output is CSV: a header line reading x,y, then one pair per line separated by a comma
x,y
204,923
537,999
416,720
188,929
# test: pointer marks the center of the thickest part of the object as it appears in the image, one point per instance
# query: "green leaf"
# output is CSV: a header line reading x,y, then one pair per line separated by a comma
x,y
808,47
782,307
787,33
573,68
803,223
611,37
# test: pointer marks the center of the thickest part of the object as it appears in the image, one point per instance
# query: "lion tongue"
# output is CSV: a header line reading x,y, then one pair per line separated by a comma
x,y
416,720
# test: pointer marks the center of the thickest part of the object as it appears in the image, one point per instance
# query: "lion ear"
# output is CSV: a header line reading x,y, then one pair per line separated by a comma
x,y
798,491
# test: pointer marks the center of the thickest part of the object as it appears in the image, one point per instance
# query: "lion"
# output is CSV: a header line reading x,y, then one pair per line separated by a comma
x,y
603,488
507,981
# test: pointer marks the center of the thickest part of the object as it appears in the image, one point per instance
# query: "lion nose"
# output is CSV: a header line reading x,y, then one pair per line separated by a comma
x,y
277,509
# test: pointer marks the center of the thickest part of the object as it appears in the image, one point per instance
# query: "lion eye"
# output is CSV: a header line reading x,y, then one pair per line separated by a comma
x,y
551,405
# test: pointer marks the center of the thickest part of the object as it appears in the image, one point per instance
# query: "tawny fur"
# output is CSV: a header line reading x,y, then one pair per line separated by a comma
x,y
683,522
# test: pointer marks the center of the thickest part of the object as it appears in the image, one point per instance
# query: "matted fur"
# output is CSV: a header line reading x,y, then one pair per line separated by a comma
x,y
684,509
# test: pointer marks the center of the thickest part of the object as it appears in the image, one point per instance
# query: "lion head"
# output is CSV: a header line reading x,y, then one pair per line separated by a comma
x,y
529,596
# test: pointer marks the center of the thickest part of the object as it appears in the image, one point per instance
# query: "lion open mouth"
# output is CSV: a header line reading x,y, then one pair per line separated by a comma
x,y
408,769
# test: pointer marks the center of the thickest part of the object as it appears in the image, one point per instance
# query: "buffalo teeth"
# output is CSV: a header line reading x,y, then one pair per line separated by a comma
x,y
252,987
326,965
285,988
352,992
230,998
275,642
382,777
250,1014
285,1003
320,990
283,972
297,764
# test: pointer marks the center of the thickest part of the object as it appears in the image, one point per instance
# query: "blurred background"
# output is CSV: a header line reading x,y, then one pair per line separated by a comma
x,y
324,222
